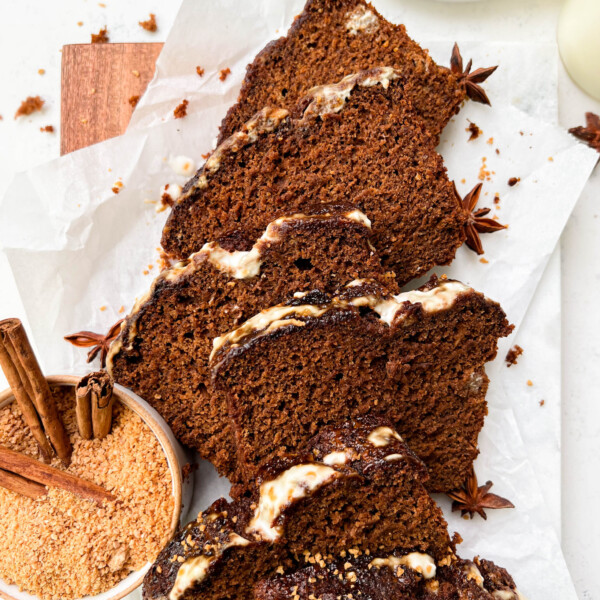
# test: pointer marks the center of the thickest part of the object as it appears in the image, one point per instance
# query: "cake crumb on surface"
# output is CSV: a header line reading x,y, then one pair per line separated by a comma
x,y
30,105
484,260
101,37
150,24
474,130
133,100
512,355
135,73
513,181
181,110
47,129
542,402
41,71
224,73
80,23
200,71
529,382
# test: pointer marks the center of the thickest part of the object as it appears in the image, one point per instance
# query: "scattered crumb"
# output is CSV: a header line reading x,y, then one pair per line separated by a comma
x,y
133,100
80,23
200,71
145,272
181,110
484,261
83,121
512,355
117,187
41,71
542,402
30,105
163,259
224,73
513,181
92,91
521,133
47,129
150,24
473,130
463,180
497,198
205,156
136,73
103,308
550,159
484,174
497,151
1,118
100,37
121,310
188,469
490,141
101,5
529,382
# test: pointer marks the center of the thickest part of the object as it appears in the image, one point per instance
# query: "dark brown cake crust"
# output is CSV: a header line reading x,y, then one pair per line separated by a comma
x,y
327,360
163,348
320,48
357,578
357,142
371,513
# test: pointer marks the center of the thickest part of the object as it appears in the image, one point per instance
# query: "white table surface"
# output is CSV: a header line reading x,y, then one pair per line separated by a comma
x,y
34,32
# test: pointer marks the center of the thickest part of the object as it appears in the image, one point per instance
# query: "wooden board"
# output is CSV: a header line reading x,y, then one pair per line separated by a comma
x,y
97,82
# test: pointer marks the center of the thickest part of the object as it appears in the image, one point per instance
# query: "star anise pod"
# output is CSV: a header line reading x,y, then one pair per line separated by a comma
x,y
591,133
471,80
471,498
96,341
476,221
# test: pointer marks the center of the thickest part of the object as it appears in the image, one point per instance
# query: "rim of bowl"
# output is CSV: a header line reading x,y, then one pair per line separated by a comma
x,y
7,396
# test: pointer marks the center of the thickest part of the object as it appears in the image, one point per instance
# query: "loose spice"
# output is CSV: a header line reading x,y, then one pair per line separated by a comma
x,y
60,546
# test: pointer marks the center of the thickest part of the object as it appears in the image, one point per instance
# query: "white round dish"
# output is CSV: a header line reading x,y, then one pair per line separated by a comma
x,y
182,489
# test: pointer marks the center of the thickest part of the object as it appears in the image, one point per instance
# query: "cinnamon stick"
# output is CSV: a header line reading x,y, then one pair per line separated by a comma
x,y
19,385
28,467
20,485
83,410
98,388
42,396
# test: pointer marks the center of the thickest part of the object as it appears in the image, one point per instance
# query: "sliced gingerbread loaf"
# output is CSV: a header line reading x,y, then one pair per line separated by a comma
x,y
364,501
417,358
357,142
333,38
412,576
163,348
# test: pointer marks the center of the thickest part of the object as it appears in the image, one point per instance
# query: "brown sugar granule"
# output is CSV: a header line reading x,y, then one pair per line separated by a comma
x,y
150,24
30,105
181,110
473,130
200,71
100,37
85,549
47,129
133,100
512,355
224,73
513,181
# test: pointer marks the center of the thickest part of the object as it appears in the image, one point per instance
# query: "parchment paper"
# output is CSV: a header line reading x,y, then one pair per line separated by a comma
x,y
80,253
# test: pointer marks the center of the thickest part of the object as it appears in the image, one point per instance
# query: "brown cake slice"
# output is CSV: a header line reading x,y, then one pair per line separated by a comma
x,y
163,348
357,142
416,358
392,577
364,501
333,38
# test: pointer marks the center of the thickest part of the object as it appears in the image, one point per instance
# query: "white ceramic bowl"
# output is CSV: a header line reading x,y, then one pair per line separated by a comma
x,y
176,458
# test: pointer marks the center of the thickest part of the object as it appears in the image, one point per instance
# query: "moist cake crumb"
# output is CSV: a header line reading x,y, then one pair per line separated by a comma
x,y
513,354
200,71
224,73
133,100
101,37
150,24
47,129
30,105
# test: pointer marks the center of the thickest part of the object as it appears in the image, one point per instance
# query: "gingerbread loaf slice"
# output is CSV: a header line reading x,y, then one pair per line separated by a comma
x,y
396,576
163,348
333,38
357,142
363,503
417,358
